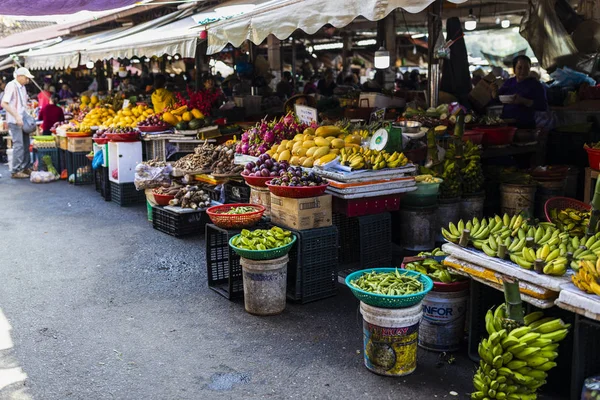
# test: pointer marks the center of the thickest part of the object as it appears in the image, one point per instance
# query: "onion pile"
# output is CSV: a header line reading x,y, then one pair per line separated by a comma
x,y
265,166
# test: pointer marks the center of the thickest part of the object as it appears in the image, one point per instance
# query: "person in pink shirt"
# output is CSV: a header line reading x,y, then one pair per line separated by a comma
x,y
44,96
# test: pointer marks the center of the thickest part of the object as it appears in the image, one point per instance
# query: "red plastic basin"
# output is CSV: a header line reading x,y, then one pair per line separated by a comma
x,y
474,136
593,158
497,136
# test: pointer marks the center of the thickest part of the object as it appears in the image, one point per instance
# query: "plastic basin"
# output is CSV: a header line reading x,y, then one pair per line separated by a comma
x,y
593,158
162,199
473,136
297,192
497,136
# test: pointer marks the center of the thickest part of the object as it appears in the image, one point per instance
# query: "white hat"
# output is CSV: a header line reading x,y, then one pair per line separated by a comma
x,y
23,71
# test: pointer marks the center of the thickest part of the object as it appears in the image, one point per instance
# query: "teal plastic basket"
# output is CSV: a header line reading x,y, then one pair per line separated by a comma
x,y
269,254
383,300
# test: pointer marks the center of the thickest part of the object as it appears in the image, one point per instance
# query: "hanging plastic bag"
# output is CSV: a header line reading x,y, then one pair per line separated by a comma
x,y
98,160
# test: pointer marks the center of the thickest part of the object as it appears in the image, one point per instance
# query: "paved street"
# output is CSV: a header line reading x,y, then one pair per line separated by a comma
x,y
95,304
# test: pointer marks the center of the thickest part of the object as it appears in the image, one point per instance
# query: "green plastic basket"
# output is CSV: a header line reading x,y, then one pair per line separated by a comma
x,y
383,300
269,254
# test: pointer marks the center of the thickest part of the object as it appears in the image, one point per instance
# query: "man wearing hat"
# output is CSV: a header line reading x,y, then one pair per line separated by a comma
x,y
14,102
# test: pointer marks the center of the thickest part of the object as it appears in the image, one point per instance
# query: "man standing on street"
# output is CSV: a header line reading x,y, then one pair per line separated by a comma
x,y
14,102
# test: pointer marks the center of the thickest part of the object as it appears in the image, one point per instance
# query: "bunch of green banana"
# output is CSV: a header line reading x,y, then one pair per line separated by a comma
x,y
433,268
515,359
472,173
571,220
451,186
479,230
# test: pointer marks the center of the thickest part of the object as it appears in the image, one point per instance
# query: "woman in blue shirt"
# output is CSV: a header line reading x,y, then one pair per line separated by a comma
x,y
529,95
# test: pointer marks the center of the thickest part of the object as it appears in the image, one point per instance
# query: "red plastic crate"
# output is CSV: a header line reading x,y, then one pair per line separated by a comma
x,y
367,205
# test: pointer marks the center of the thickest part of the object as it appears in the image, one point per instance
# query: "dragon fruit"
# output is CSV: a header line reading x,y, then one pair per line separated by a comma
x,y
258,139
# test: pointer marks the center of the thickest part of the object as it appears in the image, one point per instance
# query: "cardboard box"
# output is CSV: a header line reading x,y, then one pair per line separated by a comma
x,y
481,95
63,142
77,145
299,214
262,197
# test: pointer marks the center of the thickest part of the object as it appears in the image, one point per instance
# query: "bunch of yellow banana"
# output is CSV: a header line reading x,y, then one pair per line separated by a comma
x,y
359,158
586,278
571,220
364,133
515,359
480,230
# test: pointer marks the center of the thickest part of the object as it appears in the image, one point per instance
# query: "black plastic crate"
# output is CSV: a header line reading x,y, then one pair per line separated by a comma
x,y
62,160
223,267
125,194
98,180
236,192
364,241
104,184
585,355
80,167
213,191
178,224
53,153
312,269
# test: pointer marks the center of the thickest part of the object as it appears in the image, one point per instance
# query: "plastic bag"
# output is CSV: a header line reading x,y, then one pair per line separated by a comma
x,y
42,177
98,160
147,177
566,77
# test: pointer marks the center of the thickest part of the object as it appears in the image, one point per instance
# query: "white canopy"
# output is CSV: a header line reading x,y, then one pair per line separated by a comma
x,y
171,38
282,17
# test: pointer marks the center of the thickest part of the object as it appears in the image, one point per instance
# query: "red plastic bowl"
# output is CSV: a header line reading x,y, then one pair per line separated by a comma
x,y
593,158
297,192
100,141
235,221
123,137
155,128
258,181
162,199
562,203
497,136
474,136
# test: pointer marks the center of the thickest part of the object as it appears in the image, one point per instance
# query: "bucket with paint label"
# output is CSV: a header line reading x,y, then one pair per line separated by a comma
x,y
444,313
390,337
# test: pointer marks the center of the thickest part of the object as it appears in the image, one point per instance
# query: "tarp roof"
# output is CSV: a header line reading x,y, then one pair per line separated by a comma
x,y
45,7
282,17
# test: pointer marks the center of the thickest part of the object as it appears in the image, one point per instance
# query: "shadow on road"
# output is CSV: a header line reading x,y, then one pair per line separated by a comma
x,y
12,377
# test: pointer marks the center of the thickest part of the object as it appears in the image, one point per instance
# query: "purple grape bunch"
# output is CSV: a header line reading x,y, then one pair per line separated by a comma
x,y
265,166
295,176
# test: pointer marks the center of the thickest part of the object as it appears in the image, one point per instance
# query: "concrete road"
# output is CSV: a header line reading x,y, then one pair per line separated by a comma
x,y
95,304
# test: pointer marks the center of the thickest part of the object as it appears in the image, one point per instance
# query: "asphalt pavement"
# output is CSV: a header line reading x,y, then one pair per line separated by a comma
x,y
96,304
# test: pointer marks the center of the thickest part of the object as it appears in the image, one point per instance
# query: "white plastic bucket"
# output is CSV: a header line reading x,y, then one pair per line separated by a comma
x,y
264,285
390,338
444,313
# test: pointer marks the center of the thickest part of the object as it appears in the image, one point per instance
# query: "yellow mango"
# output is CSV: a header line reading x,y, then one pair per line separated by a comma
x,y
320,152
337,144
300,152
353,139
307,144
327,130
302,159
289,145
299,137
309,137
311,151
284,156
308,163
330,138
280,148
309,131
319,141
334,151
295,160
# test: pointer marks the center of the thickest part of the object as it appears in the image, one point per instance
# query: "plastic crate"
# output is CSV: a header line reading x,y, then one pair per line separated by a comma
x,y
102,183
80,167
98,180
177,224
62,160
365,242
312,269
585,355
155,150
223,267
186,147
125,194
236,192
215,194
53,153
367,205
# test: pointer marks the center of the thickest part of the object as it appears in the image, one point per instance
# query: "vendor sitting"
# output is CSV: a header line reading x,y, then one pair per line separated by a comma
x,y
528,94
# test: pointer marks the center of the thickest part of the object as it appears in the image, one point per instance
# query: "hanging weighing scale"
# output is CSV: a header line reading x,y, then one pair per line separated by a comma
x,y
388,138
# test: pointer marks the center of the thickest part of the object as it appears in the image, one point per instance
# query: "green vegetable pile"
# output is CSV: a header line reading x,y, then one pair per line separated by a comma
x,y
240,210
262,239
389,283
432,268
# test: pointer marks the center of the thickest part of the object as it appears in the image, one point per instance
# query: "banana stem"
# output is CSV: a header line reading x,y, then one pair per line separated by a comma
x,y
502,251
512,297
538,265
464,238
529,242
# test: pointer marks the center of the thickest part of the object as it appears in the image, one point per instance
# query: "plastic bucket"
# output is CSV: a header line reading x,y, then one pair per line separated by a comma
x,y
471,206
264,285
444,313
545,191
390,337
448,211
517,198
418,227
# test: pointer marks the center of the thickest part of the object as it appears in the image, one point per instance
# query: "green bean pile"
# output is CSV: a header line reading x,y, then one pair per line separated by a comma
x,y
241,210
388,283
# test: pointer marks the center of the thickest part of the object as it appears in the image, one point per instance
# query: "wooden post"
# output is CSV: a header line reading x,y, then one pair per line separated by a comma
x,y
434,27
